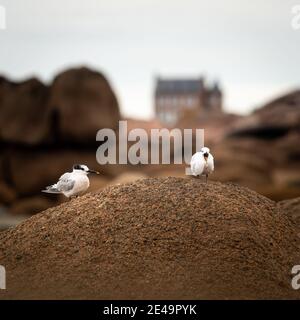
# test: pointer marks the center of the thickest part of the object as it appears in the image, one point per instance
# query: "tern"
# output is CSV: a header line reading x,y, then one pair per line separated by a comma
x,y
202,163
72,184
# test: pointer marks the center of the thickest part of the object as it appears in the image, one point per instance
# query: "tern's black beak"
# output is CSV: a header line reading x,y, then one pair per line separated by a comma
x,y
93,171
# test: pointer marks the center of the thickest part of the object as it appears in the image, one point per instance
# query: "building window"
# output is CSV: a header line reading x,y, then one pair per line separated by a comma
x,y
171,118
174,101
190,101
160,102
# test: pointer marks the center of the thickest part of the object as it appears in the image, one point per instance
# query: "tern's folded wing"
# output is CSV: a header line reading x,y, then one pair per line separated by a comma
x,y
65,183
210,163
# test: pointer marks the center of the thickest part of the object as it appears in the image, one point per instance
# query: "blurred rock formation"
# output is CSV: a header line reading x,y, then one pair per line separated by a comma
x,y
45,128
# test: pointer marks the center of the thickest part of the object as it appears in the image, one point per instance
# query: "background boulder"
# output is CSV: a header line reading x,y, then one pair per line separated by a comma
x,y
82,102
24,113
44,130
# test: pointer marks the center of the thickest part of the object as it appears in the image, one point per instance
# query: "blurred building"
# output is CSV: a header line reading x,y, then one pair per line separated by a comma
x,y
176,97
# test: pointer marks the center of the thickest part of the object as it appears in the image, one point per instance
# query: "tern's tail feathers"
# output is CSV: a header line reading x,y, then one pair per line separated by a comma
x,y
51,189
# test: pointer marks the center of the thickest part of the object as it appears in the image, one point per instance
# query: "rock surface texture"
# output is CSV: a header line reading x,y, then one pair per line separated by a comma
x,y
159,238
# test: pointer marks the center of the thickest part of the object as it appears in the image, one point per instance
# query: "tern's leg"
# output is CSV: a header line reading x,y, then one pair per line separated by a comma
x,y
206,176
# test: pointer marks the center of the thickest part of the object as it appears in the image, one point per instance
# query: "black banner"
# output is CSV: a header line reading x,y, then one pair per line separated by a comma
x,y
94,310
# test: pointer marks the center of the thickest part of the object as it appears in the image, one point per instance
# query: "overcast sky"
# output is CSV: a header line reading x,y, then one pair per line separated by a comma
x,y
249,46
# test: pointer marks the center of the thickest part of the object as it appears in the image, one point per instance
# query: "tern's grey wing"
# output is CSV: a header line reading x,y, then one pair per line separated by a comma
x,y
65,183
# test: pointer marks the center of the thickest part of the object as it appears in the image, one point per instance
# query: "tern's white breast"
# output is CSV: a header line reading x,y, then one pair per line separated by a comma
x,y
201,166
82,183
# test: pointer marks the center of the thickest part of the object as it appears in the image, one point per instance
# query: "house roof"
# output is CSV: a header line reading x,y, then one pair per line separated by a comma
x,y
178,86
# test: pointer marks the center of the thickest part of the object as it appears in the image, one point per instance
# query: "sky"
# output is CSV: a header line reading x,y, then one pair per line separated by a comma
x,y
250,47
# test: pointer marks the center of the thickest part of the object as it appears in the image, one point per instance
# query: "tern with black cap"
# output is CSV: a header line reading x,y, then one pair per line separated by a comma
x,y
73,183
